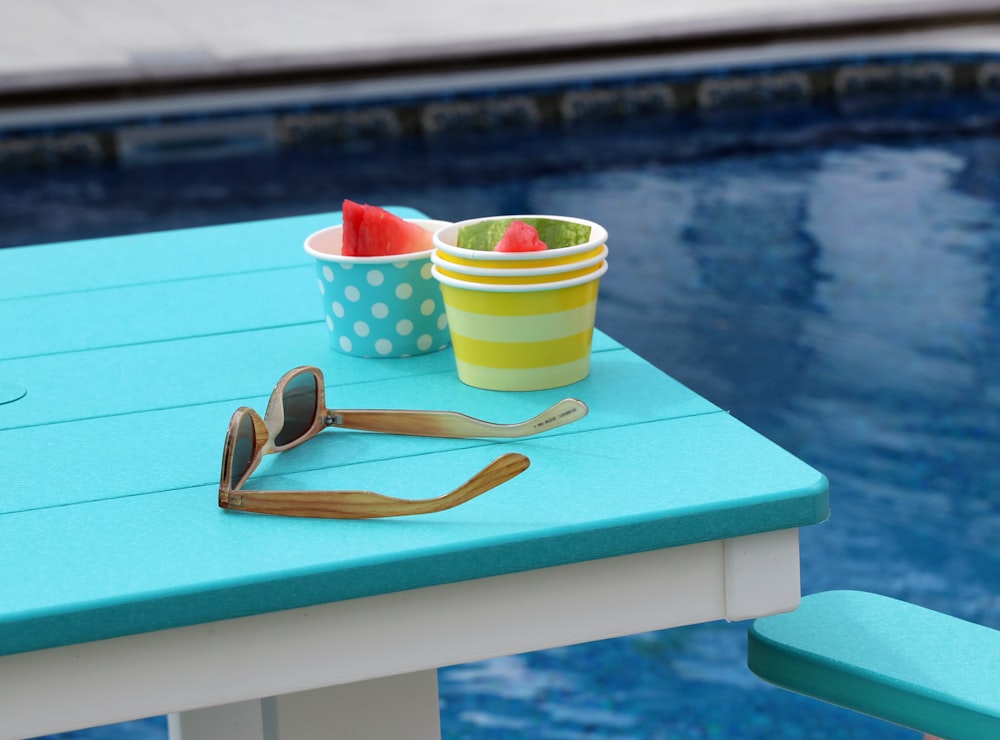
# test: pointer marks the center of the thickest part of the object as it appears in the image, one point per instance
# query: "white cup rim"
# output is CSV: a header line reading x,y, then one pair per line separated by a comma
x,y
520,287
519,271
598,236
428,224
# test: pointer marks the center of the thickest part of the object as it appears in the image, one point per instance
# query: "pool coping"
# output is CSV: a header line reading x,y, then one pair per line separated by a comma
x,y
49,48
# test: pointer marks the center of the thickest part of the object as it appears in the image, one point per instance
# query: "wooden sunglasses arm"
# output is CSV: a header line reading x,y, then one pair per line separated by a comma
x,y
452,423
367,504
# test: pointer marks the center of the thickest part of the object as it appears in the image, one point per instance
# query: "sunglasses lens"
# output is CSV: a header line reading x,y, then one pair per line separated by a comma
x,y
299,400
243,448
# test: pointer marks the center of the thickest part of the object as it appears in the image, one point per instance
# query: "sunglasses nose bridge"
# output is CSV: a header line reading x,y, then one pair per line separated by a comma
x,y
274,419
295,409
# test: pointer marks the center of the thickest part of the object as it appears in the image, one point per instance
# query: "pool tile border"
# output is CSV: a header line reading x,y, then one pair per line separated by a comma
x,y
842,85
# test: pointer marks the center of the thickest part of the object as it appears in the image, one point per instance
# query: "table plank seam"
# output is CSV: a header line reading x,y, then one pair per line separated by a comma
x,y
472,443
260,399
164,340
144,283
244,399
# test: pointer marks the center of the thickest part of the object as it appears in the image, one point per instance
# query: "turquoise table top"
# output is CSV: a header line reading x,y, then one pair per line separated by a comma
x,y
122,360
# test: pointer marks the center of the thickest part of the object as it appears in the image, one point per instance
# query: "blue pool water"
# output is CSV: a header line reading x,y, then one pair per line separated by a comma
x,y
836,286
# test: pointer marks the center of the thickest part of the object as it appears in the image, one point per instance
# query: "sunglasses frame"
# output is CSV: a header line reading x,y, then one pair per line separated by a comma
x,y
355,504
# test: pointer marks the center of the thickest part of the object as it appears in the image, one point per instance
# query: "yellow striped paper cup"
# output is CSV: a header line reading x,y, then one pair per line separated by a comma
x,y
521,337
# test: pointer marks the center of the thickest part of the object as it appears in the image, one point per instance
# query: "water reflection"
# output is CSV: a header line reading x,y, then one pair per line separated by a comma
x,y
843,301
902,374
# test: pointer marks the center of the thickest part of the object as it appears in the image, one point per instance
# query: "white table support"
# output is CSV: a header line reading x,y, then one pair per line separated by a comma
x,y
380,654
392,707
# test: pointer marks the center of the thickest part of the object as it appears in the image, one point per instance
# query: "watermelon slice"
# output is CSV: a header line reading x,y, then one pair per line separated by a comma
x,y
520,237
370,231
554,233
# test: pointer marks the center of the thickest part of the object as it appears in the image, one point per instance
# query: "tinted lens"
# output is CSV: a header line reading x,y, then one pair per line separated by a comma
x,y
299,401
243,449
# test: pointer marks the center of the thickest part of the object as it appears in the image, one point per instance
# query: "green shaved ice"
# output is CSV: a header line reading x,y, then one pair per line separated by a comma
x,y
485,234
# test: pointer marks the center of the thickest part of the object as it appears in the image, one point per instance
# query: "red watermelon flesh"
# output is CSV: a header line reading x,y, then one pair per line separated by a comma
x,y
520,237
354,214
370,231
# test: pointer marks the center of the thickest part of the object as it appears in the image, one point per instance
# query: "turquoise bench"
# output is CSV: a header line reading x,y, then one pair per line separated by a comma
x,y
887,658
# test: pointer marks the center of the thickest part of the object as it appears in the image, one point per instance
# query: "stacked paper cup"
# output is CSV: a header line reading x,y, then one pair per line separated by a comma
x,y
387,306
521,321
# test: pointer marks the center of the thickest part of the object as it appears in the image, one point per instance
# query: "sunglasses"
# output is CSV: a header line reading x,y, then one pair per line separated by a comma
x,y
296,412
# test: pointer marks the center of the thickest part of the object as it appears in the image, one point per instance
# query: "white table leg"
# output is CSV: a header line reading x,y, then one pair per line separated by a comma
x,y
762,574
379,709
240,720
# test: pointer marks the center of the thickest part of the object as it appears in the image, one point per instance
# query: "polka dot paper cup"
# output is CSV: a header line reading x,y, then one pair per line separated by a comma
x,y
379,306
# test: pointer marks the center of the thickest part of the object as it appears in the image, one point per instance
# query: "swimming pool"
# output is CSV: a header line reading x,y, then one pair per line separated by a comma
x,y
824,266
